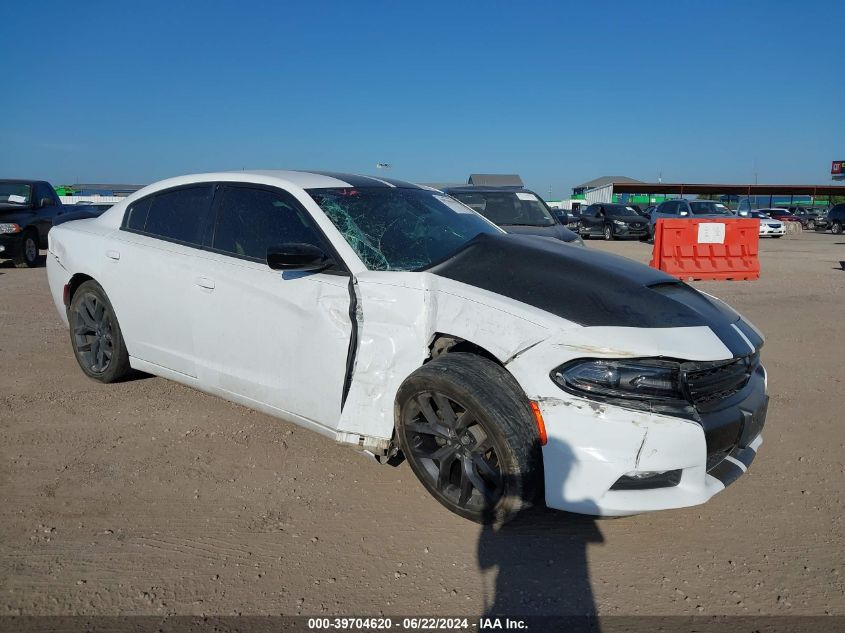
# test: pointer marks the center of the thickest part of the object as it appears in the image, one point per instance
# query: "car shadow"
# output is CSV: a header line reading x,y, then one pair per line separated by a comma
x,y
541,564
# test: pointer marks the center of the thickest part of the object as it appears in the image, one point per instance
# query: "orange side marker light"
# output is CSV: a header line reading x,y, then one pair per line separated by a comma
x,y
541,426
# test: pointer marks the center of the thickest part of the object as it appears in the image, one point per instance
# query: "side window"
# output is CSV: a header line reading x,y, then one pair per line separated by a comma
x,y
250,220
179,215
135,218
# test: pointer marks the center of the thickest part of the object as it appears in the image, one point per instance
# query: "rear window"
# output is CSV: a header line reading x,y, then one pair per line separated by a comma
x,y
178,215
709,208
508,208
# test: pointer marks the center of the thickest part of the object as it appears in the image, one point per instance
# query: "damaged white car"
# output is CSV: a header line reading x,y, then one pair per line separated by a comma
x,y
506,369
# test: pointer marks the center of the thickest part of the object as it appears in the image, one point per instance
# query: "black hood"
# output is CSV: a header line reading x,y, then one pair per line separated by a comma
x,y
590,287
555,230
82,212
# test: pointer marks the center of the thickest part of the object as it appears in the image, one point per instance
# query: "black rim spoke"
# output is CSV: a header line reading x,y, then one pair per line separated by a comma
x,y
444,409
427,428
466,485
444,470
477,481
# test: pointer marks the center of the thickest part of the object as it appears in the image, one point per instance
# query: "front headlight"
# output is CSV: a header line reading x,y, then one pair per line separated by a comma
x,y
621,379
620,223
8,227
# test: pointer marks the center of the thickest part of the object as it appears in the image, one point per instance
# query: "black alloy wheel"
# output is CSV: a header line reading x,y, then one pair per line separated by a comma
x,y
95,334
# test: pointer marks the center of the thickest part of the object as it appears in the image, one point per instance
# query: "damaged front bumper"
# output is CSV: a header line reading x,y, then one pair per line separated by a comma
x,y
599,459
607,460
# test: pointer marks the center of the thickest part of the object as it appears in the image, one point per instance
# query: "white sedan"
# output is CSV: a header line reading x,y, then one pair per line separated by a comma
x,y
394,319
769,227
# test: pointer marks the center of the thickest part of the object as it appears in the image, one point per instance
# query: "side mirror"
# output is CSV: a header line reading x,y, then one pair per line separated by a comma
x,y
45,202
683,213
743,213
302,257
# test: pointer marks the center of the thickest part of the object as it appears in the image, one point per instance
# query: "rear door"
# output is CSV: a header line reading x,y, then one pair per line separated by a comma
x,y
150,274
276,338
588,219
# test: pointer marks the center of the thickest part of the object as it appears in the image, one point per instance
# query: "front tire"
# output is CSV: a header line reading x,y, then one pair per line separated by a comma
x,y
836,228
27,257
811,225
95,335
468,433
608,233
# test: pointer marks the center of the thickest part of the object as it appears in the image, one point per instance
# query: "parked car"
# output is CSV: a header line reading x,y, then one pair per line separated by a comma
x,y
769,227
568,217
395,320
27,211
833,221
515,209
680,208
612,221
81,211
781,214
807,216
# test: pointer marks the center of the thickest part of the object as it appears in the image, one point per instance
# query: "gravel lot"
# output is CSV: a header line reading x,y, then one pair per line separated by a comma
x,y
148,497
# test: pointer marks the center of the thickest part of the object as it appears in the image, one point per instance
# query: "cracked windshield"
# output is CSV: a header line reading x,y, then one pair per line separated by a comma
x,y
400,229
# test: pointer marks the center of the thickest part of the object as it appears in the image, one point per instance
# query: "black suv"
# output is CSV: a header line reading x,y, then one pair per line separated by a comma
x,y
613,221
515,209
27,211
834,220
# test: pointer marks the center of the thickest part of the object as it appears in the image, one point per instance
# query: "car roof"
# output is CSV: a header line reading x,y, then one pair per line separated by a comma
x,y
486,189
22,181
327,179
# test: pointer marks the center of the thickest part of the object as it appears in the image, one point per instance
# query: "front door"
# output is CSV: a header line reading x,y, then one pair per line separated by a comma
x,y
277,338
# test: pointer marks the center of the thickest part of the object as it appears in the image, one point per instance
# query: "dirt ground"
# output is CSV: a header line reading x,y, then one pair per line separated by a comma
x,y
150,498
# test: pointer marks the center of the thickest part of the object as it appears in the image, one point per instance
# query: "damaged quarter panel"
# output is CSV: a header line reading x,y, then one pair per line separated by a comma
x,y
399,315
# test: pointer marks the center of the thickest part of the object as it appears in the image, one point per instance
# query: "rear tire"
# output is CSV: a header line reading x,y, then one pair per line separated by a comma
x,y
468,433
836,228
27,256
95,335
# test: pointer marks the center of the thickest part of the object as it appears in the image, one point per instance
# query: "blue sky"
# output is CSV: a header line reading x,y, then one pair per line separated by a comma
x,y
559,92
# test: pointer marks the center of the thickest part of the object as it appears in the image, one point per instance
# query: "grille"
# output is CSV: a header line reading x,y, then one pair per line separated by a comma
x,y
708,384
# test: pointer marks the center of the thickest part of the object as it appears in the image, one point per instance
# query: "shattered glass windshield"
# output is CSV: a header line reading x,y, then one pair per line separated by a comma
x,y
400,229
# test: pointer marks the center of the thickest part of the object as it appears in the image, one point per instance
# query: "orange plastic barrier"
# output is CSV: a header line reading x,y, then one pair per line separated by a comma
x,y
707,249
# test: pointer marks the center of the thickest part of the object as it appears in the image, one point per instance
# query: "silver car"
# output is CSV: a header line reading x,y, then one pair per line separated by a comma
x,y
691,209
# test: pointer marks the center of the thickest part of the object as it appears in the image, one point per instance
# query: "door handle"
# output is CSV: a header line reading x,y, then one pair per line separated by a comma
x,y
113,255
205,282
